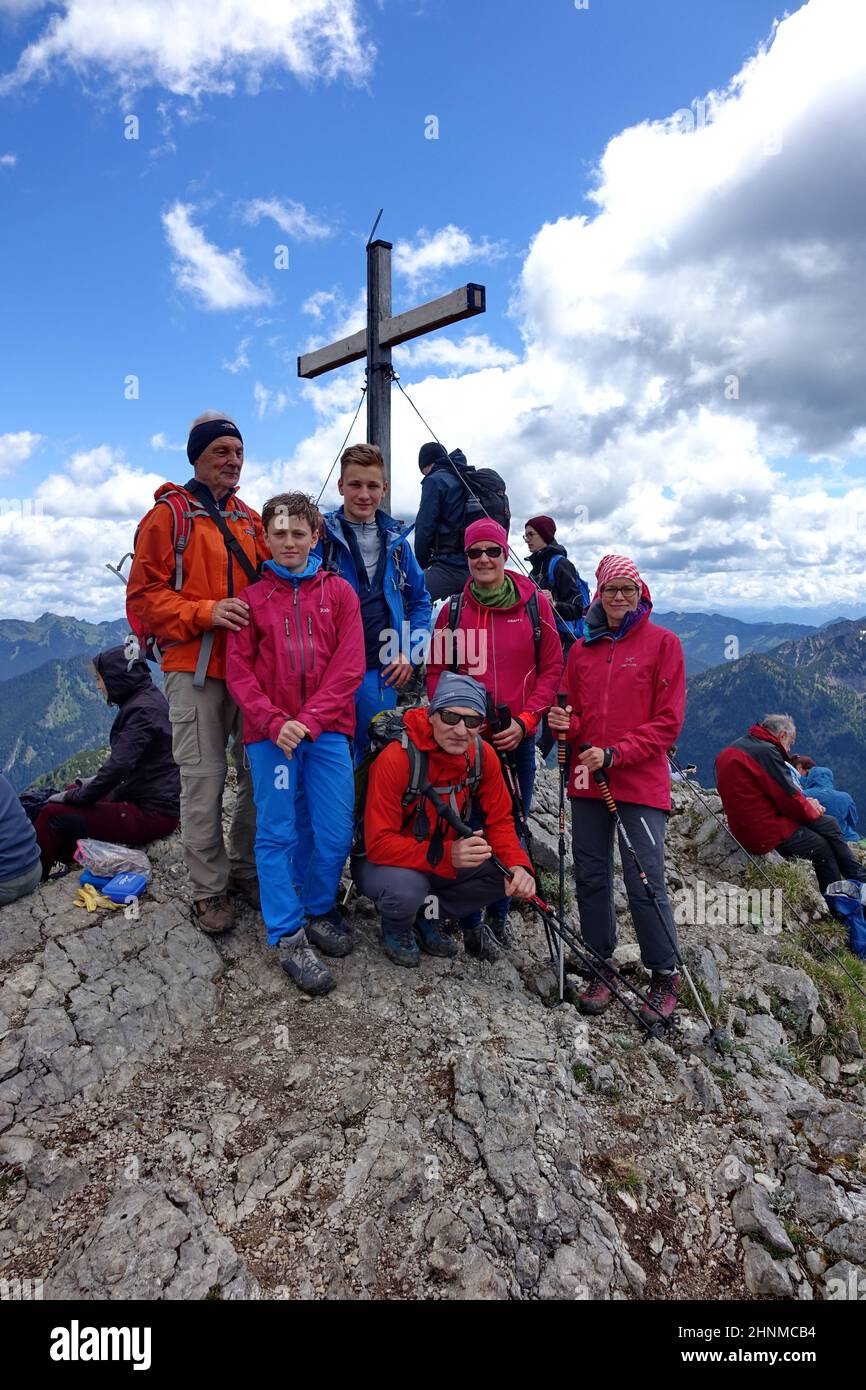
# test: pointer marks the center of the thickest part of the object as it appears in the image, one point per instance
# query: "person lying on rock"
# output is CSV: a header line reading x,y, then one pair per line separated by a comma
x,y
20,866
134,798
293,671
626,689
413,865
765,810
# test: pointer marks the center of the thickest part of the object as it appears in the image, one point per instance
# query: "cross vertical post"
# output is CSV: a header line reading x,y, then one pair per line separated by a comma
x,y
379,357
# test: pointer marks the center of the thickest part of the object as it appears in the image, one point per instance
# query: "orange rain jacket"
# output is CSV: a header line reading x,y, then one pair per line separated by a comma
x,y
179,618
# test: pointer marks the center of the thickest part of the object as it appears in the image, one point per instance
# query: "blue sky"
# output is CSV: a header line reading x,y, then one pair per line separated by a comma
x,y
527,98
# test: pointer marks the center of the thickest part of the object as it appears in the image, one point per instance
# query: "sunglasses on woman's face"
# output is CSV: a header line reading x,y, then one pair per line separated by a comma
x,y
475,553
452,718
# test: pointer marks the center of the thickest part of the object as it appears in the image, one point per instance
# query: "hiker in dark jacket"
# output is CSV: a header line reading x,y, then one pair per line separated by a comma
x,y
766,812
553,572
551,568
439,524
20,868
135,796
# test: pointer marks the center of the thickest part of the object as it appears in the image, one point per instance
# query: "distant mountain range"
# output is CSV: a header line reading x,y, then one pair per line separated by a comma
x,y
707,637
24,646
48,715
818,679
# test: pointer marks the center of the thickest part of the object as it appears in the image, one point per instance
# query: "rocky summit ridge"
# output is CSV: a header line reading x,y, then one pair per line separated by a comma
x,y
176,1121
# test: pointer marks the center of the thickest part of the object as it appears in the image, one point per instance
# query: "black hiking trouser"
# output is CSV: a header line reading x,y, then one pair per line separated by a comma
x,y
446,576
822,841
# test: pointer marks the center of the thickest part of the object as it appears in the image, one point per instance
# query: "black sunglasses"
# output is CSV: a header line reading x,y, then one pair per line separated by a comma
x,y
494,551
451,717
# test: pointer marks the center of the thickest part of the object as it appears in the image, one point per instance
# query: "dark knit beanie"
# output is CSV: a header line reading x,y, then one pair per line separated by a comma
x,y
545,526
429,453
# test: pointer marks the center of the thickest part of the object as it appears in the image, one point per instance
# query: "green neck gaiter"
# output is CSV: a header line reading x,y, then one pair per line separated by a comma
x,y
503,597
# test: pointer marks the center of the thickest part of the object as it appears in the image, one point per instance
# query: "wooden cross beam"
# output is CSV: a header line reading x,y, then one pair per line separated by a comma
x,y
383,332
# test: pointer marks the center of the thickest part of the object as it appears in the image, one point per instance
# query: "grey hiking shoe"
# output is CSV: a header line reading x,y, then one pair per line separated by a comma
x,y
500,928
299,960
479,941
329,934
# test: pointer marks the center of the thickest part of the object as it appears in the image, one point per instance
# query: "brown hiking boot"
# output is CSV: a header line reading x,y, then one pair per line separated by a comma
x,y
214,915
598,996
248,888
663,994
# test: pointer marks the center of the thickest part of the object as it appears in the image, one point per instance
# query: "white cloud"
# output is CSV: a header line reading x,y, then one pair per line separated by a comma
x,y
98,483
317,303
469,354
161,442
193,48
292,218
421,261
269,402
8,161
217,279
16,448
240,361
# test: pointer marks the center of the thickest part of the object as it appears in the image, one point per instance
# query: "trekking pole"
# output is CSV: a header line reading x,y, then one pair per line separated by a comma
x,y
499,719
586,954
716,1036
762,871
562,701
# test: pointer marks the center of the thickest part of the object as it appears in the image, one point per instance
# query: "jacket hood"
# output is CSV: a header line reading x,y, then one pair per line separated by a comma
x,y
819,779
456,456
309,571
337,518
123,677
537,558
596,619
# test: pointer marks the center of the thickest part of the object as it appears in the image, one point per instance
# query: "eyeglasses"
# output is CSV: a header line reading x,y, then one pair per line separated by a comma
x,y
452,718
627,590
475,553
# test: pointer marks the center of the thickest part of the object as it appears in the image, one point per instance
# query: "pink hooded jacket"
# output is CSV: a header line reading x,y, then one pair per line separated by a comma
x,y
301,657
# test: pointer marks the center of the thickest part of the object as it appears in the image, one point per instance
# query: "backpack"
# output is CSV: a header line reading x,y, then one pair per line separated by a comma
x,y
387,727
569,629
183,513
486,496
455,608
845,900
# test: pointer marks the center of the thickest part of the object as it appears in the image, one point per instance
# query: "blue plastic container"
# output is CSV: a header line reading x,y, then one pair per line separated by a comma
x,y
87,877
124,886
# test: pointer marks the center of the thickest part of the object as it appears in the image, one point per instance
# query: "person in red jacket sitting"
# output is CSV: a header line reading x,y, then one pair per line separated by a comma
x,y
626,688
766,811
494,641
410,853
293,671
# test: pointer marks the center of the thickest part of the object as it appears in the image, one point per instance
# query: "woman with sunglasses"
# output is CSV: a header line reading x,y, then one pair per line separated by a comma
x,y
488,633
626,690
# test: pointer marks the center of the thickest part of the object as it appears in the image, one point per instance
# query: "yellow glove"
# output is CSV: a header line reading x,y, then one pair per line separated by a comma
x,y
88,898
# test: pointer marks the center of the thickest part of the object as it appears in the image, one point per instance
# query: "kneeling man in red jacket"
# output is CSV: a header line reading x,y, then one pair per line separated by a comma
x,y
414,867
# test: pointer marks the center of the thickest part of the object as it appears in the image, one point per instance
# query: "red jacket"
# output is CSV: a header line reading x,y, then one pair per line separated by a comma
x,y
179,617
627,693
384,814
499,651
761,802
301,657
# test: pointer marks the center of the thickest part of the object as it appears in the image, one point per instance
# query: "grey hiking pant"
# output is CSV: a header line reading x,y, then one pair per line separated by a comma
x,y
399,893
202,722
592,827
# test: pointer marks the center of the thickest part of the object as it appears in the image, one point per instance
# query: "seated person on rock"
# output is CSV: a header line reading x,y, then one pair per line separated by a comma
x,y
134,798
766,812
818,782
293,672
413,866
20,865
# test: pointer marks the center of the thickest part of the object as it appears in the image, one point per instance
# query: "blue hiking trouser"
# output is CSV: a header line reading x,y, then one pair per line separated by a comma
x,y
371,697
524,758
318,777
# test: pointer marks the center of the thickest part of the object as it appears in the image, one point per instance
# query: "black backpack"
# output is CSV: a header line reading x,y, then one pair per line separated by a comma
x,y
486,497
388,727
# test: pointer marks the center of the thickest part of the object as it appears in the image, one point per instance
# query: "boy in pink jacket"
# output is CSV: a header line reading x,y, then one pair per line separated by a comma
x,y
294,671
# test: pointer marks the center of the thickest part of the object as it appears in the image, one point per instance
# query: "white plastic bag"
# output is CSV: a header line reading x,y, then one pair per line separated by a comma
x,y
104,860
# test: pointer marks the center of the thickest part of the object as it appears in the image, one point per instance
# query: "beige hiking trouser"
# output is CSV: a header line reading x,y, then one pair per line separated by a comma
x,y
202,722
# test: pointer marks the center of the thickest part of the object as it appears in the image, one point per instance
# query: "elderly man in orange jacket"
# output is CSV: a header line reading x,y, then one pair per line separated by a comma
x,y
186,597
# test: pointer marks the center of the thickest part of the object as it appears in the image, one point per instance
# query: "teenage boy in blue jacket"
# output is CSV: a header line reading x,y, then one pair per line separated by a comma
x,y
369,549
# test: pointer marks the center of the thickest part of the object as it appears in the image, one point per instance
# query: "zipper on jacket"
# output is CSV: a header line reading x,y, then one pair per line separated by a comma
x,y
301,646
312,647
289,641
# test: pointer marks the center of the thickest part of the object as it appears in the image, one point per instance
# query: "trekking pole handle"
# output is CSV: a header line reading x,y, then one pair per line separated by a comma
x,y
562,701
598,775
